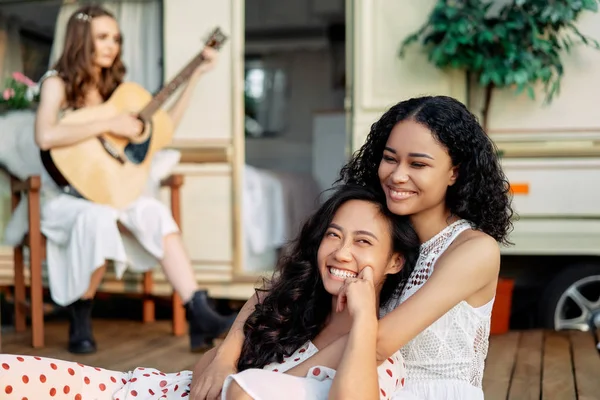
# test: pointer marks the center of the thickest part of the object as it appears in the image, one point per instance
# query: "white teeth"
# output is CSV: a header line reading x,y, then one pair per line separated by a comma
x,y
402,195
341,273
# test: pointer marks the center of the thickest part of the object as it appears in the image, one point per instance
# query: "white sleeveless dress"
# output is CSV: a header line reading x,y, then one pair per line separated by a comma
x,y
81,235
446,360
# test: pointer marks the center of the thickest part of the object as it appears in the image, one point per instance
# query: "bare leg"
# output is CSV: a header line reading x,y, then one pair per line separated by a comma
x,y
95,281
178,267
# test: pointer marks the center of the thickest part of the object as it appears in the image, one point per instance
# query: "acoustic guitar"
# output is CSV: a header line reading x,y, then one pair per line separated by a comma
x,y
109,169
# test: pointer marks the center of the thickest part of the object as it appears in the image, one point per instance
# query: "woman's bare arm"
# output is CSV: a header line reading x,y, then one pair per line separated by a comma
x,y
49,133
231,347
178,109
180,106
356,377
466,270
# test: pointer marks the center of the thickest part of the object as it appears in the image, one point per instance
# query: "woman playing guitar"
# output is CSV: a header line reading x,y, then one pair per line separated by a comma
x,y
82,235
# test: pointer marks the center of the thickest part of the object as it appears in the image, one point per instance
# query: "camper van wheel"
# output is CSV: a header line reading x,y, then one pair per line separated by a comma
x,y
572,299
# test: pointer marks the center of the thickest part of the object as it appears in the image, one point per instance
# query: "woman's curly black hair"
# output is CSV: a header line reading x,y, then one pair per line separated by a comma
x,y
296,305
481,192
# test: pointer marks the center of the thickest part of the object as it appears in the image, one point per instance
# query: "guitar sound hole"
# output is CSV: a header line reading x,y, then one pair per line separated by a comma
x,y
136,152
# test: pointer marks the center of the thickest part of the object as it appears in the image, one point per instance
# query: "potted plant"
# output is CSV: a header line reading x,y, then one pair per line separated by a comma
x,y
20,93
515,44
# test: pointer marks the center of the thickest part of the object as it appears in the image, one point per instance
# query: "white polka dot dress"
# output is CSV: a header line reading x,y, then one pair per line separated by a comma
x,y
34,378
270,383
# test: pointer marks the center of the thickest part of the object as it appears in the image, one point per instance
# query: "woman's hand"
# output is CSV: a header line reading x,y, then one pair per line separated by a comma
x,y
358,295
126,125
211,56
207,384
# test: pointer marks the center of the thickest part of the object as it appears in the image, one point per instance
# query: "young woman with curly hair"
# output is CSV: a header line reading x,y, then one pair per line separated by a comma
x,y
351,240
433,162
82,235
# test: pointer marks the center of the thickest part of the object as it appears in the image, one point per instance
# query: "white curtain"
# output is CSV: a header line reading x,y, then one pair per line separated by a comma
x,y
140,22
11,59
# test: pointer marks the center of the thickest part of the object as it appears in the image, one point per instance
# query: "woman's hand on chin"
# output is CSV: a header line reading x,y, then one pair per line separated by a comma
x,y
359,296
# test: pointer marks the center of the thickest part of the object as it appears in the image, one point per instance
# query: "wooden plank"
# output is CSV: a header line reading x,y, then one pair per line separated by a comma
x,y
122,345
526,381
558,382
499,365
586,363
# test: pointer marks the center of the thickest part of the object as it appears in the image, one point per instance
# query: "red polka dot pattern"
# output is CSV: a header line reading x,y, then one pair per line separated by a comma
x,y
56,378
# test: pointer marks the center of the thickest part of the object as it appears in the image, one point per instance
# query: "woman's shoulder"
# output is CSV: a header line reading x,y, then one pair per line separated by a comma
x,y
53,95
51,75
51,81
473,244
475,237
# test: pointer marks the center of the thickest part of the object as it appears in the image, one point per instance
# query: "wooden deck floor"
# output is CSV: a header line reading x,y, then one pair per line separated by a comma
x,y
520,366
542,365
122,346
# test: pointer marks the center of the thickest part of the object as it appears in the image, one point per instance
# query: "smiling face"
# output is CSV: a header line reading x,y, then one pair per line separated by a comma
x,y
415,170
358,236
107,40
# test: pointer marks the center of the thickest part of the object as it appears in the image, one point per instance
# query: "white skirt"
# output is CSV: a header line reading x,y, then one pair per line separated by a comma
x,y
82,235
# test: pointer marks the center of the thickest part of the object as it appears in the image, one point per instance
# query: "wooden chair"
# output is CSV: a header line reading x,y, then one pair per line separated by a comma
x,y
36,242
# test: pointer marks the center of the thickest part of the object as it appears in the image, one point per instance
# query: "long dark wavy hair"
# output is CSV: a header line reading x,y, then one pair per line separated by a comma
x,y
296,306
481,192
76,63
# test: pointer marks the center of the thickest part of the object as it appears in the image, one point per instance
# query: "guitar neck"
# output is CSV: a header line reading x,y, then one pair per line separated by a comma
x,y
159,99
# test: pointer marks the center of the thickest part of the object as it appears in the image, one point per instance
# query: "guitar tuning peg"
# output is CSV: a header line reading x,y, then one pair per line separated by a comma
x,y
216,38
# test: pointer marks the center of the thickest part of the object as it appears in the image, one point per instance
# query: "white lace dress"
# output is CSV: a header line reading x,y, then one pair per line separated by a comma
x,y
446,360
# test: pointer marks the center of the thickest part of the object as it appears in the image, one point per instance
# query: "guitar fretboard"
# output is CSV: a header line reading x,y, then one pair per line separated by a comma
x,y
171,87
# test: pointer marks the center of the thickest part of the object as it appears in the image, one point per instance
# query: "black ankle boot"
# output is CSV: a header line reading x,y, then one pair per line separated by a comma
x,y
205,324
81,340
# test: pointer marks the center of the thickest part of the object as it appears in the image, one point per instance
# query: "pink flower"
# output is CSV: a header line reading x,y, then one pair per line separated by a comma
x,y
8,93
19,77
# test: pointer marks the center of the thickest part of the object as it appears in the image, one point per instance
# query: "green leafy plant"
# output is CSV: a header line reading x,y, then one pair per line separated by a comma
x,y
510,44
